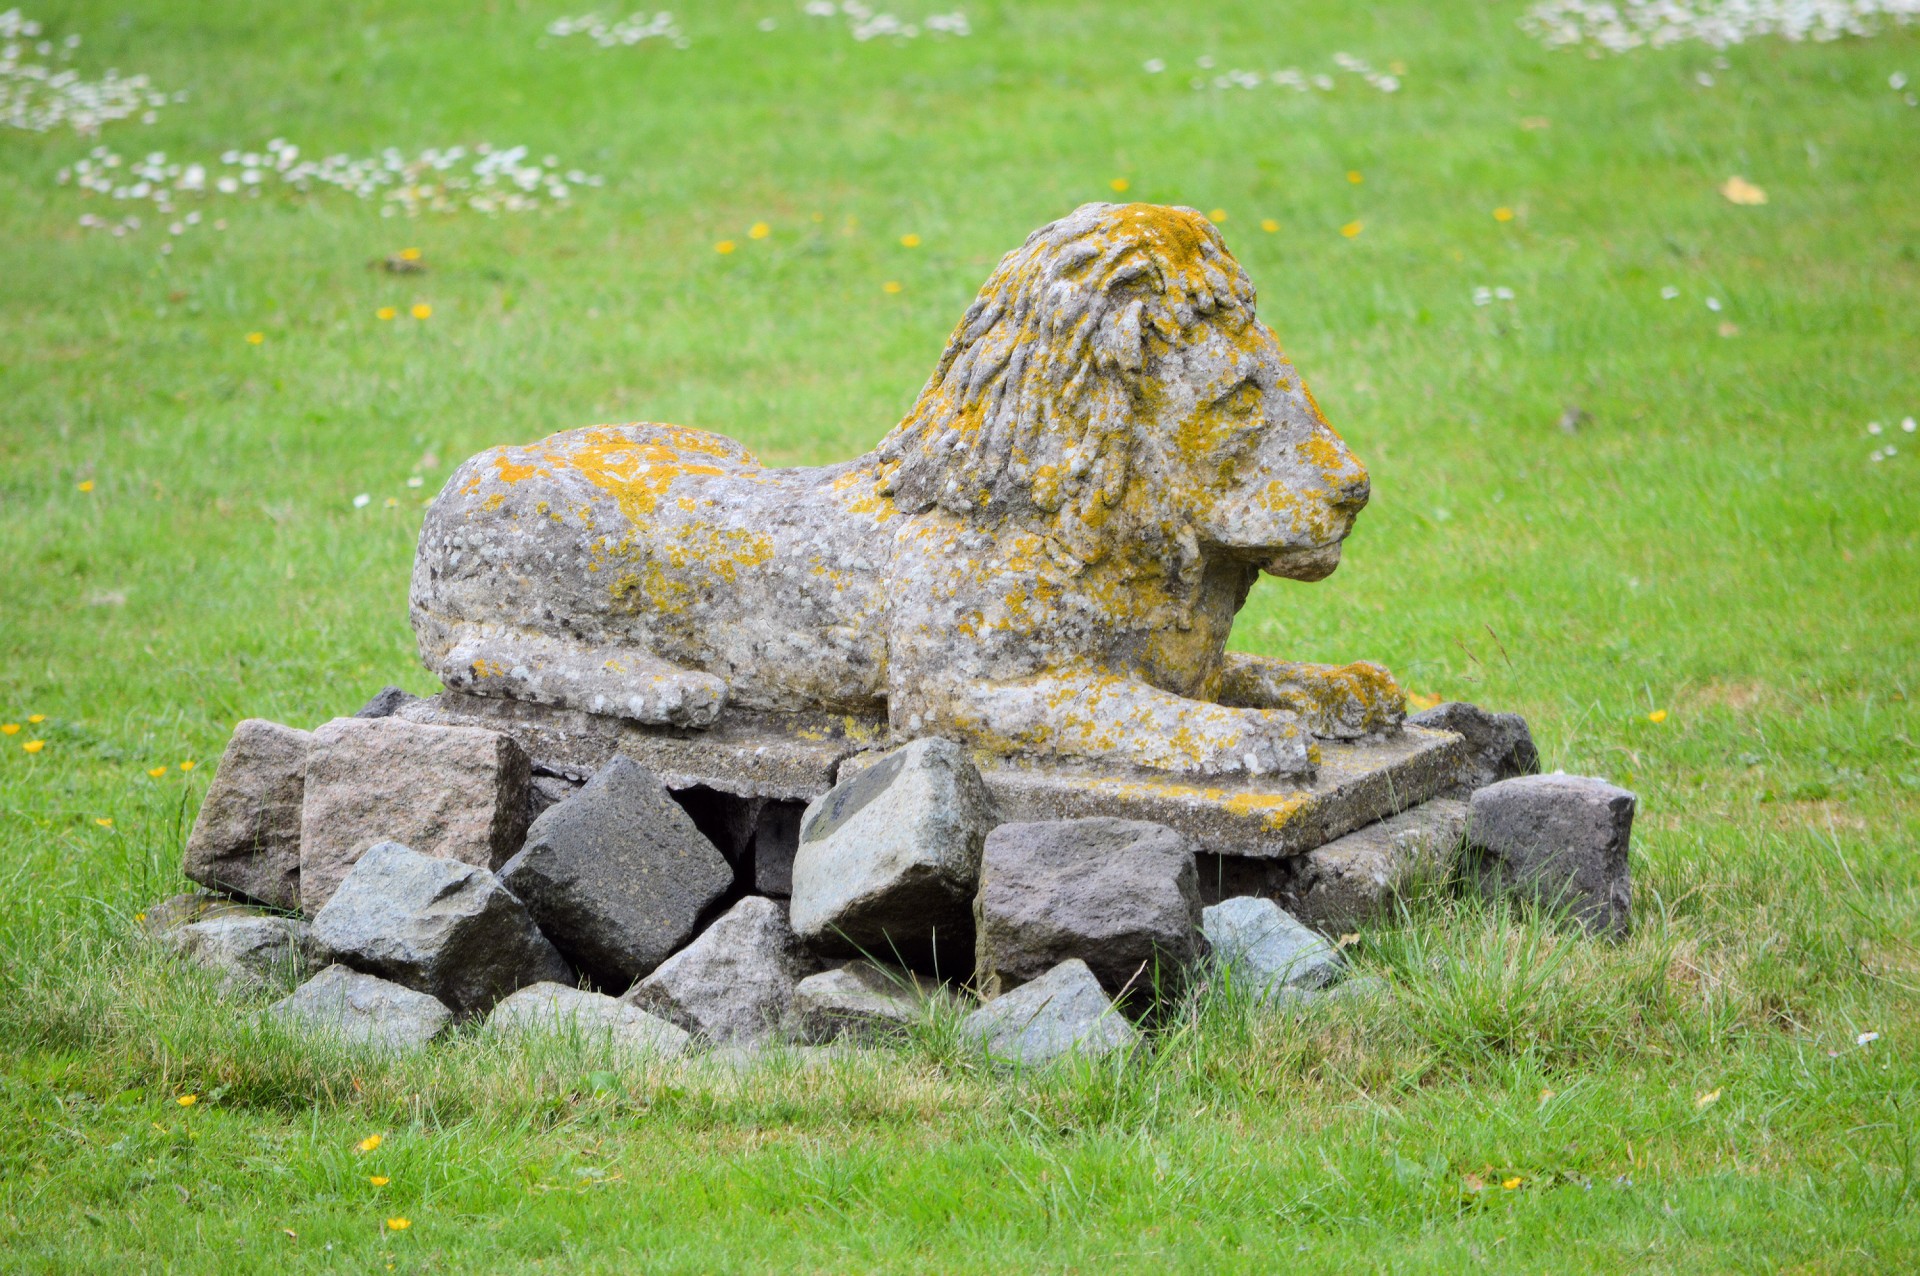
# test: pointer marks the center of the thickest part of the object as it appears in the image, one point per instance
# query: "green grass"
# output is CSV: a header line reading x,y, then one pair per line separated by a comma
x,y
1713,542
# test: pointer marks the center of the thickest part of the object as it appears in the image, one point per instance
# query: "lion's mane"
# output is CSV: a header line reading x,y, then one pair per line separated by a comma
x,y
1033,404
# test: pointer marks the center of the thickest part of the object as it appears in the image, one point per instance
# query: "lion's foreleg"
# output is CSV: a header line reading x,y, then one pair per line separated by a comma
x,y
1100,717
1339,702
617,681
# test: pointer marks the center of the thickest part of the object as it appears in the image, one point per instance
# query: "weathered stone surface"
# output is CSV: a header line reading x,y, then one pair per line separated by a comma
x,y
246,839
776,840
860,1000
1357,782
1120,895
1029,562
250,954
456,793
545,792
436,925
1560,841
734,983
364,1009
617,875
385,703
162,918
1063,1011
558,1009
889,858
1264,950
1499,745
1354,880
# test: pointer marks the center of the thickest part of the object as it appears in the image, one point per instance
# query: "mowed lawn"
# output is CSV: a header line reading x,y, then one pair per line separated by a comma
x,y
1702,586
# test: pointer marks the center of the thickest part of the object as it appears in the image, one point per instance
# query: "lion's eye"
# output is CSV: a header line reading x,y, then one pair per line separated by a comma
x,y
1241,401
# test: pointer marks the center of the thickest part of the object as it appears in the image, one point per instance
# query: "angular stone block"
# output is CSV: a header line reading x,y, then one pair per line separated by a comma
x,y
1120,895
1499,745
1560,841
860,1000
438,926
1355,880
888,859
386,702
246,839
250,954
457,793
363,1009
1266,952
1062,1012
617,875
735,983
560,1010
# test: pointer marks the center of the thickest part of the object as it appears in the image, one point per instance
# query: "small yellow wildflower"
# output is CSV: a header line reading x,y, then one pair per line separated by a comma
x,y
398,1224
86,485
104,821
36,718
1706,1100
378,1180
1350,229
10,728
1503,214
139,917
1658,715
188,765
187,1100
1511,1183
421,311
1119,184
1217,216
371,1142
409,254
156,771
1353,175
909,241
34,746
1270,225
724,247
759,230
891,286
255,338
385,312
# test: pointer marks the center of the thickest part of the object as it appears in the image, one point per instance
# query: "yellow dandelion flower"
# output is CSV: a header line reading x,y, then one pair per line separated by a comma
x,y
891,286
724,247
1503,214
1269,225
409,254
1658,715
1217,216
371,1142
156,771
10,728
34,746
759,230
255,338
398,1224
188,765
187,1100
1350,229
139,917
1119,184
86,485
36,718
378,1180
909,241
1511,1183
1353,175
421,311
385,313
104,821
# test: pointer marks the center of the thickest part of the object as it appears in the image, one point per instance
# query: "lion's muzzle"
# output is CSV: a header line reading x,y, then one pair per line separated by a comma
x,y
1304,564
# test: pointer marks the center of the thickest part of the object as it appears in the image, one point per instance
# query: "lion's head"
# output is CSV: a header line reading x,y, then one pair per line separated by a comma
x,y
1112,382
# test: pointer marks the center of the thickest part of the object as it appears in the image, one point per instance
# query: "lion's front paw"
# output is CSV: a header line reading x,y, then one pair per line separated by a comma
x,y
1256,742
1354,700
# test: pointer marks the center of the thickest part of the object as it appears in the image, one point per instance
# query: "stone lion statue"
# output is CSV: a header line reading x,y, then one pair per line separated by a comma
x,y
1043,559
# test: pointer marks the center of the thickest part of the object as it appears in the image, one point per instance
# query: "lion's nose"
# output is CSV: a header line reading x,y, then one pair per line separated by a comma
x,y
1353,493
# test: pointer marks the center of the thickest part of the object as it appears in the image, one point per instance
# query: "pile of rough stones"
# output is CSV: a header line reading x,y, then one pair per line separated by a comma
x,y
485,891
